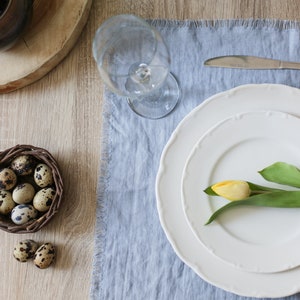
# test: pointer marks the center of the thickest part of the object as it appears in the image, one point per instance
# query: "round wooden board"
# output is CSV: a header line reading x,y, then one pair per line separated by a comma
x,y
55,27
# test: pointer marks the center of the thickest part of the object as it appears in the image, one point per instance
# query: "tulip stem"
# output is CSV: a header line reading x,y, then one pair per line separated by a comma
x,y
282,199
253,193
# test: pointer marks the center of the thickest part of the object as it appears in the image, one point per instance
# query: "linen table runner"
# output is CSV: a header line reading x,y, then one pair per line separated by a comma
x,y
133,259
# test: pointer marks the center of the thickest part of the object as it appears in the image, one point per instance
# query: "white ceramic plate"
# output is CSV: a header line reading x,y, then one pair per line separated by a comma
x,y
253,239
168,189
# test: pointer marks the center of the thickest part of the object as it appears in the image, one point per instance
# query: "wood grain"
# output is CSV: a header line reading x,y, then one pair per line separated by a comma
x,y
52,33
63,112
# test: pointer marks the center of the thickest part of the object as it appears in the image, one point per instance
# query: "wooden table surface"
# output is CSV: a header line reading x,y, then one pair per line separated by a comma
x,y
62,112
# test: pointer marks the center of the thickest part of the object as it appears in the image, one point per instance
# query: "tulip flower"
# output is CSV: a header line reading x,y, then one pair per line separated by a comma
x,y
237,189
232,189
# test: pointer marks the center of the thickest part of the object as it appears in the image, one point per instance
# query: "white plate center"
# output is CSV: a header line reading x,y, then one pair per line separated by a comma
x,y
261,226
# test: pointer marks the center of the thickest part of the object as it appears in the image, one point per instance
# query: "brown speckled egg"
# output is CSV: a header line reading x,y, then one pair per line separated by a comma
x,y
23,193
43,175
23,213
24,250
44,256
43,199
23,165
8,179
6,202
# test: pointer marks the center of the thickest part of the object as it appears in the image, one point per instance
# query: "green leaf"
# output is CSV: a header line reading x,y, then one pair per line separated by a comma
x,y
210,192
282,199
259,189
282,173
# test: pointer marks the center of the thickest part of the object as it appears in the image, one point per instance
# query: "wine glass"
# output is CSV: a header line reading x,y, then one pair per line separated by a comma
x,y
134,62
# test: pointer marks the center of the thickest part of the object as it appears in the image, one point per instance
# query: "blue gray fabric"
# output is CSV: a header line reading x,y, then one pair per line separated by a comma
x,y
133,259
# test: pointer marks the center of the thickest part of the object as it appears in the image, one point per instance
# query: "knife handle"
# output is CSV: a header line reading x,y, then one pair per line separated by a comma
x,y
289,65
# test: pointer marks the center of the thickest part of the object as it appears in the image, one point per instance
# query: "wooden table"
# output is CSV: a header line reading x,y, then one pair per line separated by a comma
x,y
62,112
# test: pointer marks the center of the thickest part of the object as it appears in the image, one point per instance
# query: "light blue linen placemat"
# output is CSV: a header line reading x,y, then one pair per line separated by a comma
x,y
133,259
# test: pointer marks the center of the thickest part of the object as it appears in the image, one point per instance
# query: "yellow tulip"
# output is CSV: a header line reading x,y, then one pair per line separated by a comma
x,y
232,189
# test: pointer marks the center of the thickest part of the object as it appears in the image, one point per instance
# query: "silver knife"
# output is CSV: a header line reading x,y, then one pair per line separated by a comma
x,y
250,62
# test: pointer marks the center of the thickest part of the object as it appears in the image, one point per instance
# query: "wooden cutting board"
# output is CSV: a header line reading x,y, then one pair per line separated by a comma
x,y
55,27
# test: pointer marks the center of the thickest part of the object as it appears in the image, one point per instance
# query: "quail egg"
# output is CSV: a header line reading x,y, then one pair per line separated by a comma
x,y
43,199
23,213
23,193
23,165
6,202
44,256
24,250
8,179
43,175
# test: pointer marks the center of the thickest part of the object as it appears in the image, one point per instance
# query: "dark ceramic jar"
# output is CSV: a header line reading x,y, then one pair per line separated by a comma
x,y
15,15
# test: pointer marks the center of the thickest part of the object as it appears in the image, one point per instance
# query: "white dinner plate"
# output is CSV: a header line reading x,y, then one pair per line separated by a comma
x,y
253,239
168,189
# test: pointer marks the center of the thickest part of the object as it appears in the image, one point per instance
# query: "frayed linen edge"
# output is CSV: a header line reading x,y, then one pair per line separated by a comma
x,y
253,23
101,205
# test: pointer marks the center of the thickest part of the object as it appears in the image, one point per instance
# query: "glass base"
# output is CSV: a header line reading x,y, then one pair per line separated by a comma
x,y
159,103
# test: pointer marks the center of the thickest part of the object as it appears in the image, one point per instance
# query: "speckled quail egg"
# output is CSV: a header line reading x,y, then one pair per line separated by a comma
x,y
43,175
23,165
44,256
6,202
43,199
23,213
8,179
24,250
23,193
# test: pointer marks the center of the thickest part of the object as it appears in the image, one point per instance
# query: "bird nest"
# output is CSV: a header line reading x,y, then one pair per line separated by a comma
x,y
38,156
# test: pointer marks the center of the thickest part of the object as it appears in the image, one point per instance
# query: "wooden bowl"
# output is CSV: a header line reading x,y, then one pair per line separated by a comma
x,y
39,155
15,15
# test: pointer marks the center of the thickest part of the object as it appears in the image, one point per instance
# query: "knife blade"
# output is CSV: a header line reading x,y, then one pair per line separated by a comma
x,y
250,62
